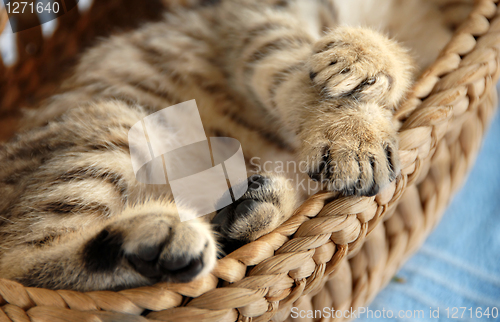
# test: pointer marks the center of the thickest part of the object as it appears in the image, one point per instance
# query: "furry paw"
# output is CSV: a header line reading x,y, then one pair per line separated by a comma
x,y
154,246
349,141
355,155
361,65
267,203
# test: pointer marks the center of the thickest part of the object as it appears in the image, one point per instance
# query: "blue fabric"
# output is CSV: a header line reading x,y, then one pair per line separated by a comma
x,y
459,264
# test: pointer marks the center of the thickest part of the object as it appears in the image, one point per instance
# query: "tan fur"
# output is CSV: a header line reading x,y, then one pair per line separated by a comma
x,y
280,76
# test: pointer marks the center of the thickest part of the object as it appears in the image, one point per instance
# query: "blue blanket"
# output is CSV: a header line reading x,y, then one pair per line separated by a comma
x,y
457,271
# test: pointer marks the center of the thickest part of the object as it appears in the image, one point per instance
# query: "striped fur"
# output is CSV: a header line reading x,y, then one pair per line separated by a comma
x,y
73,216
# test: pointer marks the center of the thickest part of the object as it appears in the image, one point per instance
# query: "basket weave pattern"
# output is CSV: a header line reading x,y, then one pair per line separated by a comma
x,y
334,252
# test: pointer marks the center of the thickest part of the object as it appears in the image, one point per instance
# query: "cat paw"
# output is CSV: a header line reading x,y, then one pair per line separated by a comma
x,y
186,252
155,246
355,154
268,202
361,65
348,138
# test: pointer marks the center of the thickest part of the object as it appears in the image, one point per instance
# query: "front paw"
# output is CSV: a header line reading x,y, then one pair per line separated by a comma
x,y
149,245
361,65
348,139
268,202
356,154
359,171
187,251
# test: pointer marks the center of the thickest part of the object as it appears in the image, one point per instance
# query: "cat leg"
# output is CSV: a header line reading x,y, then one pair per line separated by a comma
x,y
335,95
77,217
146,244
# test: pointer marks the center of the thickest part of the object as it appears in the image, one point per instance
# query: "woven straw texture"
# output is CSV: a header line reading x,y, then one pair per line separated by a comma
x,y
334,252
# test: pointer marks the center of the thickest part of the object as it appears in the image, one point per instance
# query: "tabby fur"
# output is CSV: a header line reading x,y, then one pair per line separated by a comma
x,y
287,79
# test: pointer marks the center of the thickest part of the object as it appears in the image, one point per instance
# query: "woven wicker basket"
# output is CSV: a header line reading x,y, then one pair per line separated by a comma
x,y
333,252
